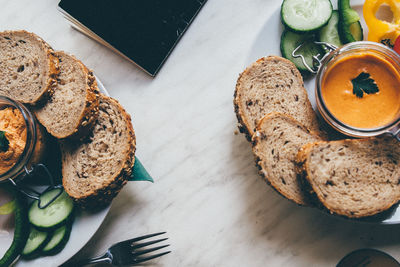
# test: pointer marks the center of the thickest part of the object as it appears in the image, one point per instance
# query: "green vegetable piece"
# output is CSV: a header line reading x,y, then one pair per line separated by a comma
x,y
364,84
20,231
291,40
54,215
348,14
3,141
139,173
36,241
330,33
305,15
8,208
350,29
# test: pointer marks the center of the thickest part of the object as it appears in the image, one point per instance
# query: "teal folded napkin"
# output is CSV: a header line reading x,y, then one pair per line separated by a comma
x,y
139,173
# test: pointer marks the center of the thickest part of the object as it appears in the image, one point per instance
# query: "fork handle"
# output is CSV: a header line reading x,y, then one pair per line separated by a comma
x,y
101,259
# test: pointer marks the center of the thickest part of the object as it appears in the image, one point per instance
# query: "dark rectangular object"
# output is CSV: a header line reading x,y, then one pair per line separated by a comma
x,y
144,31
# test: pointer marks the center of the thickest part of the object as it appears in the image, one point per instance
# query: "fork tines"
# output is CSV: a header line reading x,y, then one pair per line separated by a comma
x,y
140,254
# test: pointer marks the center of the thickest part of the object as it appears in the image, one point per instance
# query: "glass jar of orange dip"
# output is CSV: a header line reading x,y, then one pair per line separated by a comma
x,y
358,89
22,140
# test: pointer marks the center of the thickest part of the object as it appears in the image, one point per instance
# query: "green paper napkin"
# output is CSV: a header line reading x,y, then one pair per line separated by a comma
x,y
139,173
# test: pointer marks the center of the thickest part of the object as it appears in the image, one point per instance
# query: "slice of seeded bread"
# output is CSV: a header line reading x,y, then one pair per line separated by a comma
x,y
94,172
73,108
28,67
272,84
353,178
276,142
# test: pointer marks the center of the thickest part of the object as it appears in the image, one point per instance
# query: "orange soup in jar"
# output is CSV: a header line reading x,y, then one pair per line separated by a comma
x,y
347,100
12,125
358,89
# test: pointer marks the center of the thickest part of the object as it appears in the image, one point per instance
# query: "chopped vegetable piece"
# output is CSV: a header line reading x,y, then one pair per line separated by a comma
x,y
397,45
330,33
54,215
378,30
291,40
36,241
20,229
350,29
8,208
305,15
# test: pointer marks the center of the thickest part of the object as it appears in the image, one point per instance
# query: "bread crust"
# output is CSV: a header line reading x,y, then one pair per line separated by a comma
x,y
305,201
54,69
243,123
103,196
302,160
91,107
91,111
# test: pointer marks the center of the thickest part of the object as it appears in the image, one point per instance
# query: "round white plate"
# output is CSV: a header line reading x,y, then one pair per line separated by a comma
x,y
84,227
268,43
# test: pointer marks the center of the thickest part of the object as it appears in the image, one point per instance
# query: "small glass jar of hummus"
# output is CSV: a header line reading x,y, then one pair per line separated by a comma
x,y
25,144
346,97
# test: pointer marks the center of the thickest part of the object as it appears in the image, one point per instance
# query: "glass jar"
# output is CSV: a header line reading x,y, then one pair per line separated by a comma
x,y
22,157
356,48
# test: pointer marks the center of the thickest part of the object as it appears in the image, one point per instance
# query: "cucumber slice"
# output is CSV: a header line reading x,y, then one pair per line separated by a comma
x,y
357,31
350,33
53,216
20,231
36,241
291,40
330,33
350,29
348,15
305,15
58,240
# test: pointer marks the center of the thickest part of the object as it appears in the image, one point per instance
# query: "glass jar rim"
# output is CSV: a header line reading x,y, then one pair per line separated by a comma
x,y
30,142
346,129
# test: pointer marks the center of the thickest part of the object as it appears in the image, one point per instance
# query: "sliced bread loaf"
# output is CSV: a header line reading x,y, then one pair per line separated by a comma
x,y
353,178
272,84
73,108
28,67
94,172
276,142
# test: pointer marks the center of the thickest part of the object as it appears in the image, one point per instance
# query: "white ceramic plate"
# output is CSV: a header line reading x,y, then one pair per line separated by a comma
x,y
268,43
84,227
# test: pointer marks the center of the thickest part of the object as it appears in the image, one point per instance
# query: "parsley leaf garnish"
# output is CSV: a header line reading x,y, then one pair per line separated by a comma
x,y
364,84
3,142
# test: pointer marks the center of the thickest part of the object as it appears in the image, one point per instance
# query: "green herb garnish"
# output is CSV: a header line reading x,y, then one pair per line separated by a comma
x,y
3,142
364,84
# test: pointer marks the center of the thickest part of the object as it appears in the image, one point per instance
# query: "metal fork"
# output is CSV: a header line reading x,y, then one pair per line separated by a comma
x,y
128,252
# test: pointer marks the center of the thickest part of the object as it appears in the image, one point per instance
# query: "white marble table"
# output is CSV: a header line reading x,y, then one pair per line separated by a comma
x,y
207,194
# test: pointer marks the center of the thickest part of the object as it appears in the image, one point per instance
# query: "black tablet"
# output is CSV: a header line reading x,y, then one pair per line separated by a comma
x,y
143,31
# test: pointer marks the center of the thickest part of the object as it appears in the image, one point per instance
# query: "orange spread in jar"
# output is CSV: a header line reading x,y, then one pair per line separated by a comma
x,y
13,124
372,110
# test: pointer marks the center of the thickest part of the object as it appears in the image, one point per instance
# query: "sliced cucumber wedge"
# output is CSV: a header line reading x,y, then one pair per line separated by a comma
x,y
350,29
330,32
53,216
357,31
20,232
305,15
291,40
58,240
347,14
36,241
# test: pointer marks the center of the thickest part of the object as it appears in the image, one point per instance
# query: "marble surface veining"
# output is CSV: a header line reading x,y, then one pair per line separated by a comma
x,y
207,194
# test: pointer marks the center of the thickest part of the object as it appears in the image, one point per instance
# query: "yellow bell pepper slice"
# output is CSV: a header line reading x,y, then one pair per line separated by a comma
x,y
379,30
